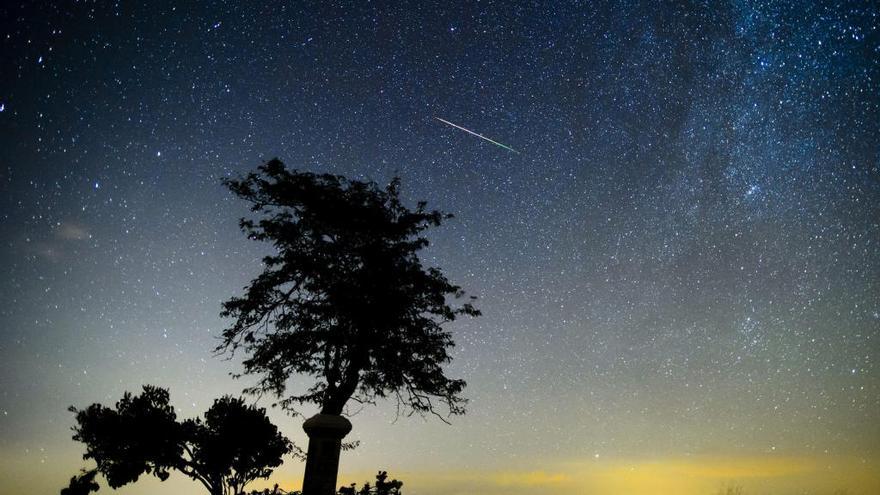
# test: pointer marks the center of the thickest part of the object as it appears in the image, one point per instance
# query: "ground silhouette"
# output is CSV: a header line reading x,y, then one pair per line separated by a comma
x,y
233,445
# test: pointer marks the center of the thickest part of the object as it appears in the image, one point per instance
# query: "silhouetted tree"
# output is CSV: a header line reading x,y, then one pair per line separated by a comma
x,y
141,435
345,299
234,445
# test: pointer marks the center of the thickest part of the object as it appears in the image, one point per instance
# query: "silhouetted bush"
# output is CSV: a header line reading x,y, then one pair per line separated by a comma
x,y
274,491
382,487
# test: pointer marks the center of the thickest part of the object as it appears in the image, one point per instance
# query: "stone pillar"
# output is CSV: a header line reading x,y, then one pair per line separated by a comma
x,y
325,432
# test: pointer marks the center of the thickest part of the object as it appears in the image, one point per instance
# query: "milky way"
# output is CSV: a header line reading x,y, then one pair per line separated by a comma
x,y
683,271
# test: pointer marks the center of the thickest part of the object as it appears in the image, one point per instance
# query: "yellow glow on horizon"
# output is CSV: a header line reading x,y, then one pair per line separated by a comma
x,y
757,475
678,476
532,478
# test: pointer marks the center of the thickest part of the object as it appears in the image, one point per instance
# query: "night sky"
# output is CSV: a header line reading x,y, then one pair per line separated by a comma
x,y
679,273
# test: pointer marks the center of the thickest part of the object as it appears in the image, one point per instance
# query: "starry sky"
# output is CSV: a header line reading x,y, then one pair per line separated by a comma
x,y
679,273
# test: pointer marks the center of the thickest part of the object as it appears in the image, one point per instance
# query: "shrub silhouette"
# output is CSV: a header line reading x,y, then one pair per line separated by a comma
x,y
382,487
234,445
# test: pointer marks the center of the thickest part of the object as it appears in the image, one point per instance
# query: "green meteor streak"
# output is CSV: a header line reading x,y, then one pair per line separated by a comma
x,y
478,135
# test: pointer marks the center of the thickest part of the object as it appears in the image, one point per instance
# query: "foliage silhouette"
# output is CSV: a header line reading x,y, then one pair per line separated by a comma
x,y
83,484
276,490
382,487
345,298
234,445
141,435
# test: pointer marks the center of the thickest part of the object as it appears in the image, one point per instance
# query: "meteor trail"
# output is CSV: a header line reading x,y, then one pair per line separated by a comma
x,y
478,135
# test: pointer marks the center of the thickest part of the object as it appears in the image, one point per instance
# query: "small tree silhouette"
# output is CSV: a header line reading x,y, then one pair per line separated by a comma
x,y
234,445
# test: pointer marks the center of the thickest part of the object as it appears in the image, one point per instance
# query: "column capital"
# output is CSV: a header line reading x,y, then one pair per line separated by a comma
x,y
327,426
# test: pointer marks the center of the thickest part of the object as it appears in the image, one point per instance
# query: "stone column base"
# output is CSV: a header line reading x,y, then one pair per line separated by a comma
x,y
325,432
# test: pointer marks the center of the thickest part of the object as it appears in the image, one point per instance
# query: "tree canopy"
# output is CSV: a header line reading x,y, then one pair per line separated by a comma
x,y
345,298
234,445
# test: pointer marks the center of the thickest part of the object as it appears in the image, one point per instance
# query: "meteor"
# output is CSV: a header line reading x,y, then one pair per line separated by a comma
x,y
478,135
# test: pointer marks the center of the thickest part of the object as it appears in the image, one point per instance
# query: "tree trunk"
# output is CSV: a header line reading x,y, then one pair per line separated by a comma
x,y
325,432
